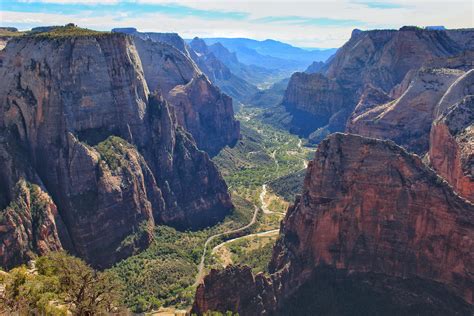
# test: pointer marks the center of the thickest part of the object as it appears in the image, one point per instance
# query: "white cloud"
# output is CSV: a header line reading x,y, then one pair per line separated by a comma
x,y
454,14
72,1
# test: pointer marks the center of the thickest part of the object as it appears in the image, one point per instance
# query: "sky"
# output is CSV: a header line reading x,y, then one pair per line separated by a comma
x,y
317,23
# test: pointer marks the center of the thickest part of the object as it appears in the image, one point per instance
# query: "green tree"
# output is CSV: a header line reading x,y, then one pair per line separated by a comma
x,y
87,291
60,283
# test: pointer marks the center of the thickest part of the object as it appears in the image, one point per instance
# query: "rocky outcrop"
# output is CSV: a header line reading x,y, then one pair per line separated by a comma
x,y
246,296
315,67
28,225
406,119
6,33
374,231
206,60
303,92
451,151
380,59
370,98
164,66
415,113
172,39
169,64
113,158
206,113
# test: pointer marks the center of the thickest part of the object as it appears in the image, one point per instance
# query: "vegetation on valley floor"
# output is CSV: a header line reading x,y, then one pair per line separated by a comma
x,y
288,186
264,153
164,273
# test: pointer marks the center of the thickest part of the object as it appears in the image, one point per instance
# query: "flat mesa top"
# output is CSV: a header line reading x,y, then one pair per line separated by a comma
x,y
67,31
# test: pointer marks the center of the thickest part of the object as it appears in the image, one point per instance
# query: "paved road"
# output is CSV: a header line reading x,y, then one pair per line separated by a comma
x,y
230,232
265,233
265,210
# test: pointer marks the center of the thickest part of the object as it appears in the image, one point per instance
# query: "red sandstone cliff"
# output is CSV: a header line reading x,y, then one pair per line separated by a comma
x,y
407,119
375,231
451,151
28,225
379,59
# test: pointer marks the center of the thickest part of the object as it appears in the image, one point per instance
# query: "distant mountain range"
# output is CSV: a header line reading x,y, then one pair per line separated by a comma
x,y
272,54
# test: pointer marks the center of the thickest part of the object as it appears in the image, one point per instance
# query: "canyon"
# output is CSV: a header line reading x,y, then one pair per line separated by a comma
x,y
123,149
78,120
382,62
372,219
390,84
384,221
170,66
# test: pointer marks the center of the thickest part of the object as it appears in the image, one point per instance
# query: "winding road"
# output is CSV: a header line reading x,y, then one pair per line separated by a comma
x,y
211,238
265,210
265,233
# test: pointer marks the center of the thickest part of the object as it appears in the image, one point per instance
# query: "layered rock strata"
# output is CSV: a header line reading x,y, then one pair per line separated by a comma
x,y
169,64
379,59
111,156
374,231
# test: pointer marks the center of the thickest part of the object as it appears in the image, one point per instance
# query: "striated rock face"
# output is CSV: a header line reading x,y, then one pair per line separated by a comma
x,y
206,113
112,158
3,41
303,92
245,296
172,39
374,231
301,96
168,65
406,119
164,66
414,116
380,59
370,98
464,86
383,57
7,34
451,151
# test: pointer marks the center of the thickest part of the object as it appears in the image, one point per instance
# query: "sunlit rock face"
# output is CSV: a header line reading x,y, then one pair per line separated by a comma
x,y
383,60
407,119
374,230
451,151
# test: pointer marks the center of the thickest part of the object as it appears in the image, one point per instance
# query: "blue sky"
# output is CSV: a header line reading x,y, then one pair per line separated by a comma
x,y
301,23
